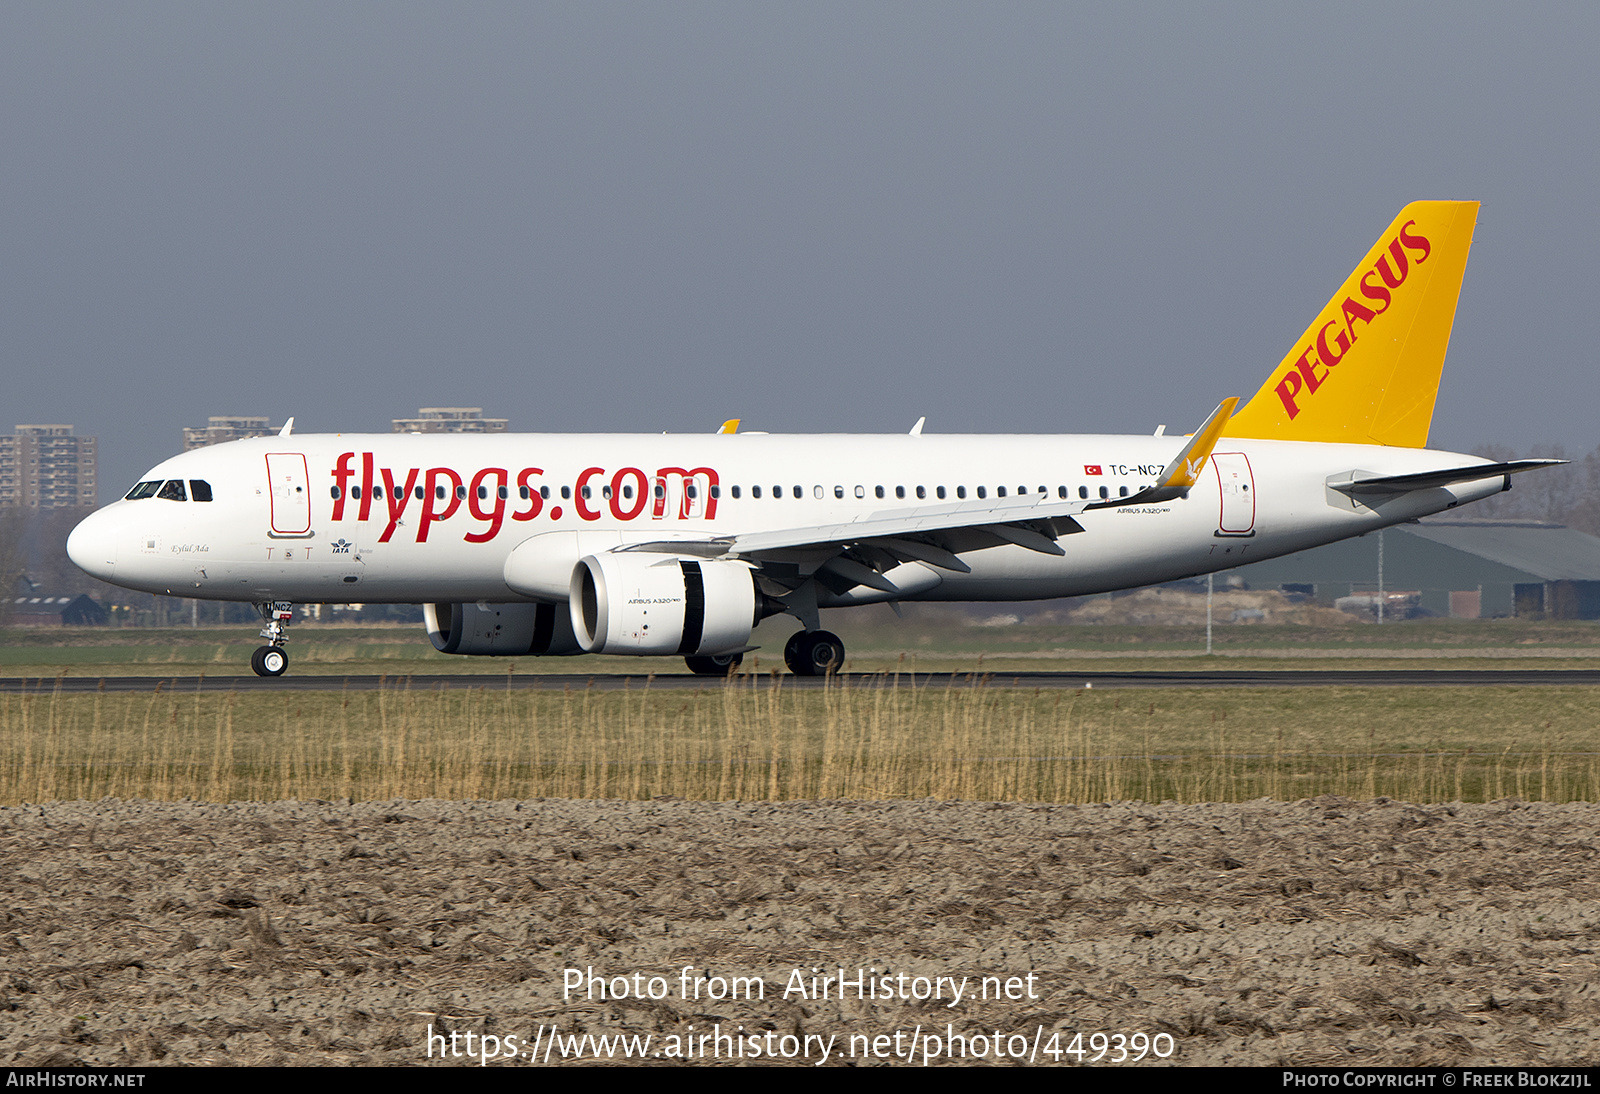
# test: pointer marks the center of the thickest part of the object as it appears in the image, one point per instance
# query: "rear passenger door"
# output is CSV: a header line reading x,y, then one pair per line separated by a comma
x,y
1238,488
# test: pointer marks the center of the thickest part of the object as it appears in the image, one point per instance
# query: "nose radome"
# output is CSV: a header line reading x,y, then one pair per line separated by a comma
x,y
92,546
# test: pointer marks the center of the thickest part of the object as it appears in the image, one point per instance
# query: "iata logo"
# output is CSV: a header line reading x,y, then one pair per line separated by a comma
x,y
1338,334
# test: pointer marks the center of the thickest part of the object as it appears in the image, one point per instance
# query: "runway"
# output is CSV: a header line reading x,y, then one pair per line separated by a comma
x,y
1223,678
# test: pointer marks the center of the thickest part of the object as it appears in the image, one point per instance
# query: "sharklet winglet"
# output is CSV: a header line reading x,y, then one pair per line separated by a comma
x,y
1185,468
1179,476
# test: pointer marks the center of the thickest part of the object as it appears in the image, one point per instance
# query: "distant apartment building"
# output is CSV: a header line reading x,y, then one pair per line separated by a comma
x,y
46,467
450,419
220,428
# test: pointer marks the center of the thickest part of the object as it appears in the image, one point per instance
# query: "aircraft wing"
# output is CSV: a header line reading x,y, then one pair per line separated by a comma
x,y
1033,521
1018,512
1035,513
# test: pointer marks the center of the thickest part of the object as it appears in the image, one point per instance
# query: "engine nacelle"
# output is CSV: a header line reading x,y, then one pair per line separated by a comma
x,y
636,603
501,630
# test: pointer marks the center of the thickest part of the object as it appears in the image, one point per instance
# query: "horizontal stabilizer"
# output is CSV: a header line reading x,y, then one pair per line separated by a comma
x,y
1428,480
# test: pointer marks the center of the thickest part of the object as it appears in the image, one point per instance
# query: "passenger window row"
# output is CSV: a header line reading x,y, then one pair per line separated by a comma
x,y
690,490
921,492
200,490
441,493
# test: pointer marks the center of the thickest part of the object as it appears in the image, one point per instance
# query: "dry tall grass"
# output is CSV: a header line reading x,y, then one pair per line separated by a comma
x,y
752,739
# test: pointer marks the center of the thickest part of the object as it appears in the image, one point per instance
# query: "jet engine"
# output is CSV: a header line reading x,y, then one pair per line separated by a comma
x,y
635,603
500,630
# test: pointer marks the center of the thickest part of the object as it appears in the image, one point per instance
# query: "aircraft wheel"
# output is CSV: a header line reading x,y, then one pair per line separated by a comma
x,y
823,651
814,653
717,665
269,661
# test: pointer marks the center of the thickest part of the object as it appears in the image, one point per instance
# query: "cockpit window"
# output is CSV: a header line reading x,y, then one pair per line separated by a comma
x,y
200,489
143,490
173,490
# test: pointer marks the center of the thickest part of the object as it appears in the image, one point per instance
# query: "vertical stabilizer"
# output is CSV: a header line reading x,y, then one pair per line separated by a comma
x,y
1367,369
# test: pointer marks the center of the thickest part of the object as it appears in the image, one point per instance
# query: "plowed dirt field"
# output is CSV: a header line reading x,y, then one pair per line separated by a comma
x,y
1322,932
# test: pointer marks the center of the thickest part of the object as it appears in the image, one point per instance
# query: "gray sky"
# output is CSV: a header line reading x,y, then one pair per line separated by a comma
x,y
817,217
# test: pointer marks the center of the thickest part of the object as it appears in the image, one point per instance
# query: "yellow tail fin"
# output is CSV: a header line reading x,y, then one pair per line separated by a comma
x,y
1367,370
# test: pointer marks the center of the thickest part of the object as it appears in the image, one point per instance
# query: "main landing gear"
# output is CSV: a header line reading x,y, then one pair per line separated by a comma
x,y
813,653
717,665
807,653
272,659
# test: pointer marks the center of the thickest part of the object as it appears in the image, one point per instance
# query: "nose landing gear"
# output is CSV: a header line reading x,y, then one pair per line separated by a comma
x,y
272,659
814,653
269,661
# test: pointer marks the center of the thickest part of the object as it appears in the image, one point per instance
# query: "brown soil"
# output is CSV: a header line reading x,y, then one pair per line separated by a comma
x,y
1323,932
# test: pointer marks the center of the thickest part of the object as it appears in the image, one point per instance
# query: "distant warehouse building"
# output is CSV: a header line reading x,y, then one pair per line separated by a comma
x,y
1462,568
31,609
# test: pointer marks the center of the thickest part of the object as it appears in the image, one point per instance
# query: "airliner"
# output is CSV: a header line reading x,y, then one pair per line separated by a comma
x,y
662,544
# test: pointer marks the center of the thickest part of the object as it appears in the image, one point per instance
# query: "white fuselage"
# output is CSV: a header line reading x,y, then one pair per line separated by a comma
x,y
420,518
